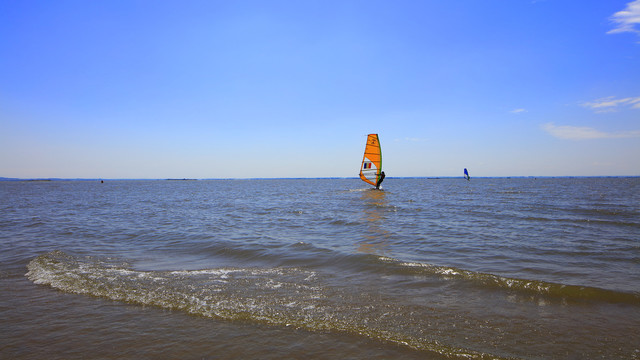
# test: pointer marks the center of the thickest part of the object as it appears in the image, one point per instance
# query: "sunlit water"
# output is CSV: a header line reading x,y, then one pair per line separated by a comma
x,y
321,268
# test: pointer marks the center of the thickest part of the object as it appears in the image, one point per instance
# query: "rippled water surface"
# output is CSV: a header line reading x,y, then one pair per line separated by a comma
x,y
529,268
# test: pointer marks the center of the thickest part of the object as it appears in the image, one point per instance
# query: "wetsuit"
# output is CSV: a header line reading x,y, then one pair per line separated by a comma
x,y
380,180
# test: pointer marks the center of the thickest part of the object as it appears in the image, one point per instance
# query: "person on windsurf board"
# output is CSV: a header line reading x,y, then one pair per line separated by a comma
x,y
382,175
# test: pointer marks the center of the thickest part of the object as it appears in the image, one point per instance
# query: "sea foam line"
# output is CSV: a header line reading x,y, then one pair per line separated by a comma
x,y
537,287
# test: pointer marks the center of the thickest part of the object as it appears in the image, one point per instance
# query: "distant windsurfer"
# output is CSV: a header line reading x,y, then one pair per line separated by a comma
x,y
380,180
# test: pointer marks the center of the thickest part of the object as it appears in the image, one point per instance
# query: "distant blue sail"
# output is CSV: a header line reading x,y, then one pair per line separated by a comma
x,y
466,174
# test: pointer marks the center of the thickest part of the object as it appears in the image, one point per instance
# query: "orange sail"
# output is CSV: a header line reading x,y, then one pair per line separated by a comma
x,y
371,161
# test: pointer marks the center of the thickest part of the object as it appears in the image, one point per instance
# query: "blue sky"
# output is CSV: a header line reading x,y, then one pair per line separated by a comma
x,y
242,89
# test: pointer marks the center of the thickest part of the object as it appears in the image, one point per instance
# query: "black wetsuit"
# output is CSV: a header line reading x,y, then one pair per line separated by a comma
x,y
380,180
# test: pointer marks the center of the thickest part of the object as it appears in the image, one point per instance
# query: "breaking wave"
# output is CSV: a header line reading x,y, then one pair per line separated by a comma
x,y
524,286
292,297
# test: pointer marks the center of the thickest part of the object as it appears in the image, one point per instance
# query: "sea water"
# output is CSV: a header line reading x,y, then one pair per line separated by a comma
x,y
545,268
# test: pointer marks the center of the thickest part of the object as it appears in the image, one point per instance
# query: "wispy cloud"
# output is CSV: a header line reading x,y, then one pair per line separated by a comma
x,y
567,132
610,103
627,19
517,111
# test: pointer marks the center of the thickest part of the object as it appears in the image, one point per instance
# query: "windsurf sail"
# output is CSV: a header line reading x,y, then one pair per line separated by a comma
x,y
466,174
371,161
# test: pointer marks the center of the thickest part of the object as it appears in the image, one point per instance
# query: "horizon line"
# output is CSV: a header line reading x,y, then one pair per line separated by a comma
x,y
311,178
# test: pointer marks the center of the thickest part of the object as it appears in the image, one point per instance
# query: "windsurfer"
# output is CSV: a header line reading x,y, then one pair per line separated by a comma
x,y
380,180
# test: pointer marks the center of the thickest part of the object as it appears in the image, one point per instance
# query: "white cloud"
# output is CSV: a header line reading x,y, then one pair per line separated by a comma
x,y
627,19
516,111
610,103
585,133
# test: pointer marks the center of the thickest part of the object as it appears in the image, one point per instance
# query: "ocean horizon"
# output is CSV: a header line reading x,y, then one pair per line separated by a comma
x,y
319,178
